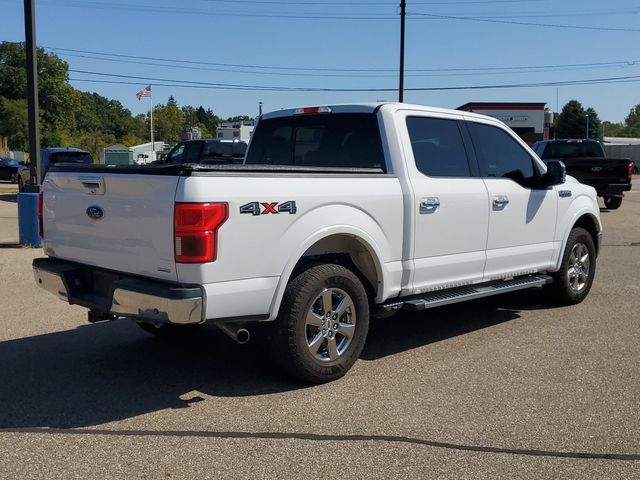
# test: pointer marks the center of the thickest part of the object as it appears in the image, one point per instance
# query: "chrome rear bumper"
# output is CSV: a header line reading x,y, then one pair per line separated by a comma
x,y
120,295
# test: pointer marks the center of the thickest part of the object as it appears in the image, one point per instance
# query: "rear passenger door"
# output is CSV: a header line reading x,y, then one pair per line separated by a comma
x,y
450,203
522,216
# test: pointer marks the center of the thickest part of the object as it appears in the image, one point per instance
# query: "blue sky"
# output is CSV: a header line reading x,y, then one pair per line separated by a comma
x,y
224,31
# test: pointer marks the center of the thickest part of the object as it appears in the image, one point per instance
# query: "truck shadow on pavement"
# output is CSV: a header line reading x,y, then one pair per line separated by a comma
x,y
112,371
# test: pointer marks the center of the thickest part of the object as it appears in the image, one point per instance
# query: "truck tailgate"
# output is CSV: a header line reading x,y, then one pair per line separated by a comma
x,y
119,221
598,171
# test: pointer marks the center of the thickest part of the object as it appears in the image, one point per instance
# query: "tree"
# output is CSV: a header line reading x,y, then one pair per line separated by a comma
x,y
168,121
239,118
572,122
632,122
14,122
54,92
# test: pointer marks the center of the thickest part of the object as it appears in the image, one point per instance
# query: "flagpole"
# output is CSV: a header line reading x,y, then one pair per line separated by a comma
x,y
153,145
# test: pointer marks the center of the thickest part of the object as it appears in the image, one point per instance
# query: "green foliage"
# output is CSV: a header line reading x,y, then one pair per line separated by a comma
x,y
168,121
54,92
572,122
14,122
239,118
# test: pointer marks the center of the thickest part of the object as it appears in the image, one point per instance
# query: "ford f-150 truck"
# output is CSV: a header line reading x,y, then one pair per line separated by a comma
x,y
338,213
585,160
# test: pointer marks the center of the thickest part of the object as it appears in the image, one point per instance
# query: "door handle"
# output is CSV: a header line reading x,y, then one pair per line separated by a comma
x,y
500,201
429,204
92,185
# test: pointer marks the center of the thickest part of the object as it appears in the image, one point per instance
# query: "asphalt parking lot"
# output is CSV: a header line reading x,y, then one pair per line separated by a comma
x,y
508,387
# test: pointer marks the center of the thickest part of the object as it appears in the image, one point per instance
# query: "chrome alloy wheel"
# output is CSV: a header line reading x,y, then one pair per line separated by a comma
x,y
330,324
579,267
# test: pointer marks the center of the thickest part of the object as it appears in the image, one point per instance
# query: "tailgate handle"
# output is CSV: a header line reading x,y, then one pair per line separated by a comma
x,y
93,185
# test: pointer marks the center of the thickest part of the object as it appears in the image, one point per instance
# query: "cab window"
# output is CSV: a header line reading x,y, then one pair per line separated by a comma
x,y
501,156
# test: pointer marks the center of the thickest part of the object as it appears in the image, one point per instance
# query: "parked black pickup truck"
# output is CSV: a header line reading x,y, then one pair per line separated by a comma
x,y
585,160
208,151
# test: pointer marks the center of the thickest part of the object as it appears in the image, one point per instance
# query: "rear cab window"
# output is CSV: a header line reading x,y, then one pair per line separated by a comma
x,y
70,157
438,147
321,140
573,149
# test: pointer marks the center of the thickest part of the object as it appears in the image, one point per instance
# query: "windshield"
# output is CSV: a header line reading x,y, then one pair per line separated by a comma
x,y
573,150
328,140
71,157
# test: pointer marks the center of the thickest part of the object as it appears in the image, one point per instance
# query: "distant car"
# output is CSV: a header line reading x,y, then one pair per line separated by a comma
x,y
10,169
53,156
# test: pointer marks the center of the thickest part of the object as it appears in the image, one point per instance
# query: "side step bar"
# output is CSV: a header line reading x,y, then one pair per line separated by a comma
x,y
455,295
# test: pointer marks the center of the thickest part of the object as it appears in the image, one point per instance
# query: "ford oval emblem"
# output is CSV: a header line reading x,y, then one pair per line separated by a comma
x,y
95,212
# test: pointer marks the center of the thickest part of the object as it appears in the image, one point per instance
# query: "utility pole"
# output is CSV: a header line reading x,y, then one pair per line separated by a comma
x,y
259,109
32,95
403,11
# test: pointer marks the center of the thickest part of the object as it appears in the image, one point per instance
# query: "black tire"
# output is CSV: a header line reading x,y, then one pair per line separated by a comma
x,y
14,178
170,331
20,184
612,203
561,290
304,297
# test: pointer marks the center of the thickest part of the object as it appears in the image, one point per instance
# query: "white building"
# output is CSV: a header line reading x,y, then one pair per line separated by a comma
x,y
526,119
240,130
145,152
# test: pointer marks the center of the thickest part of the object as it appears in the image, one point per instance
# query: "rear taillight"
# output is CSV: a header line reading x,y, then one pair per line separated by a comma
x,y
629,172
40,215
196,231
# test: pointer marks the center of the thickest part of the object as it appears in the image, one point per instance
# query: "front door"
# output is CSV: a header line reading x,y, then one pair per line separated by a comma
x,y
450,204
522,216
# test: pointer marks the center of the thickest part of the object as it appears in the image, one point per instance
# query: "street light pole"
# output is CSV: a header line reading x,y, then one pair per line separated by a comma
x,y
587,115
32,95
403,8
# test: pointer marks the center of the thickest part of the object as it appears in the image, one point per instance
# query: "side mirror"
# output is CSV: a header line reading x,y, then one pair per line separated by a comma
x,y
556,173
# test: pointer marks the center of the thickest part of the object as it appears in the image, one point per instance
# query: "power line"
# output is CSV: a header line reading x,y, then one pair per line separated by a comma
x,y
230,86
618,63
316,16
393,4
529,24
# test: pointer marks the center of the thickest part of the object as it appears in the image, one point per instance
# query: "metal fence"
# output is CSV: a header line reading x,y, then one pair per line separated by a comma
x,y
624,151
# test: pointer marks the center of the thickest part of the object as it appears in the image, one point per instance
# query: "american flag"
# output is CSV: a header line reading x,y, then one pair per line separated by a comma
x,y
145,92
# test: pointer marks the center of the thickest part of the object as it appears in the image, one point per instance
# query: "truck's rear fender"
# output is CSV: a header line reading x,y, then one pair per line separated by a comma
x,y
376,257
582,212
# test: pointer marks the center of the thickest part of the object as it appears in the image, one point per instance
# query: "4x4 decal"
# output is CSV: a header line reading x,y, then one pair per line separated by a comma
x,y
264,208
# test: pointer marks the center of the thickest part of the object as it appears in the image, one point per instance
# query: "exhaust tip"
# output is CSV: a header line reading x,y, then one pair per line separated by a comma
x,y
242,336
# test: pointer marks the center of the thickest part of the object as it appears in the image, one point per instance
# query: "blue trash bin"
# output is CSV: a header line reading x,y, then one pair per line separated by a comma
x,y
28,220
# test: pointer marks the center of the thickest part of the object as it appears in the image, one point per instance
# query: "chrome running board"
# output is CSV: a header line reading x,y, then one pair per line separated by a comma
x,y
462,294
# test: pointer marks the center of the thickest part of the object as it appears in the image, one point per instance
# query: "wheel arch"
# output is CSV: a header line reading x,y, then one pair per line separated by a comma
x,y
345,245
582,219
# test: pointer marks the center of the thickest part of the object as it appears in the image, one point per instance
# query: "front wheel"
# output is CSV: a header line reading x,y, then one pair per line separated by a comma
x,y
20,185
572,283
14,178
323,324
612,203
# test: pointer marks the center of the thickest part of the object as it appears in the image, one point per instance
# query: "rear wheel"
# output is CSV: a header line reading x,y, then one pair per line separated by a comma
x,y
572,283
612,203
323,324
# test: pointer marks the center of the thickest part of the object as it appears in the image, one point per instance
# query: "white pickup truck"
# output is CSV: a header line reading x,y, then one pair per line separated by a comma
x,y
338,213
